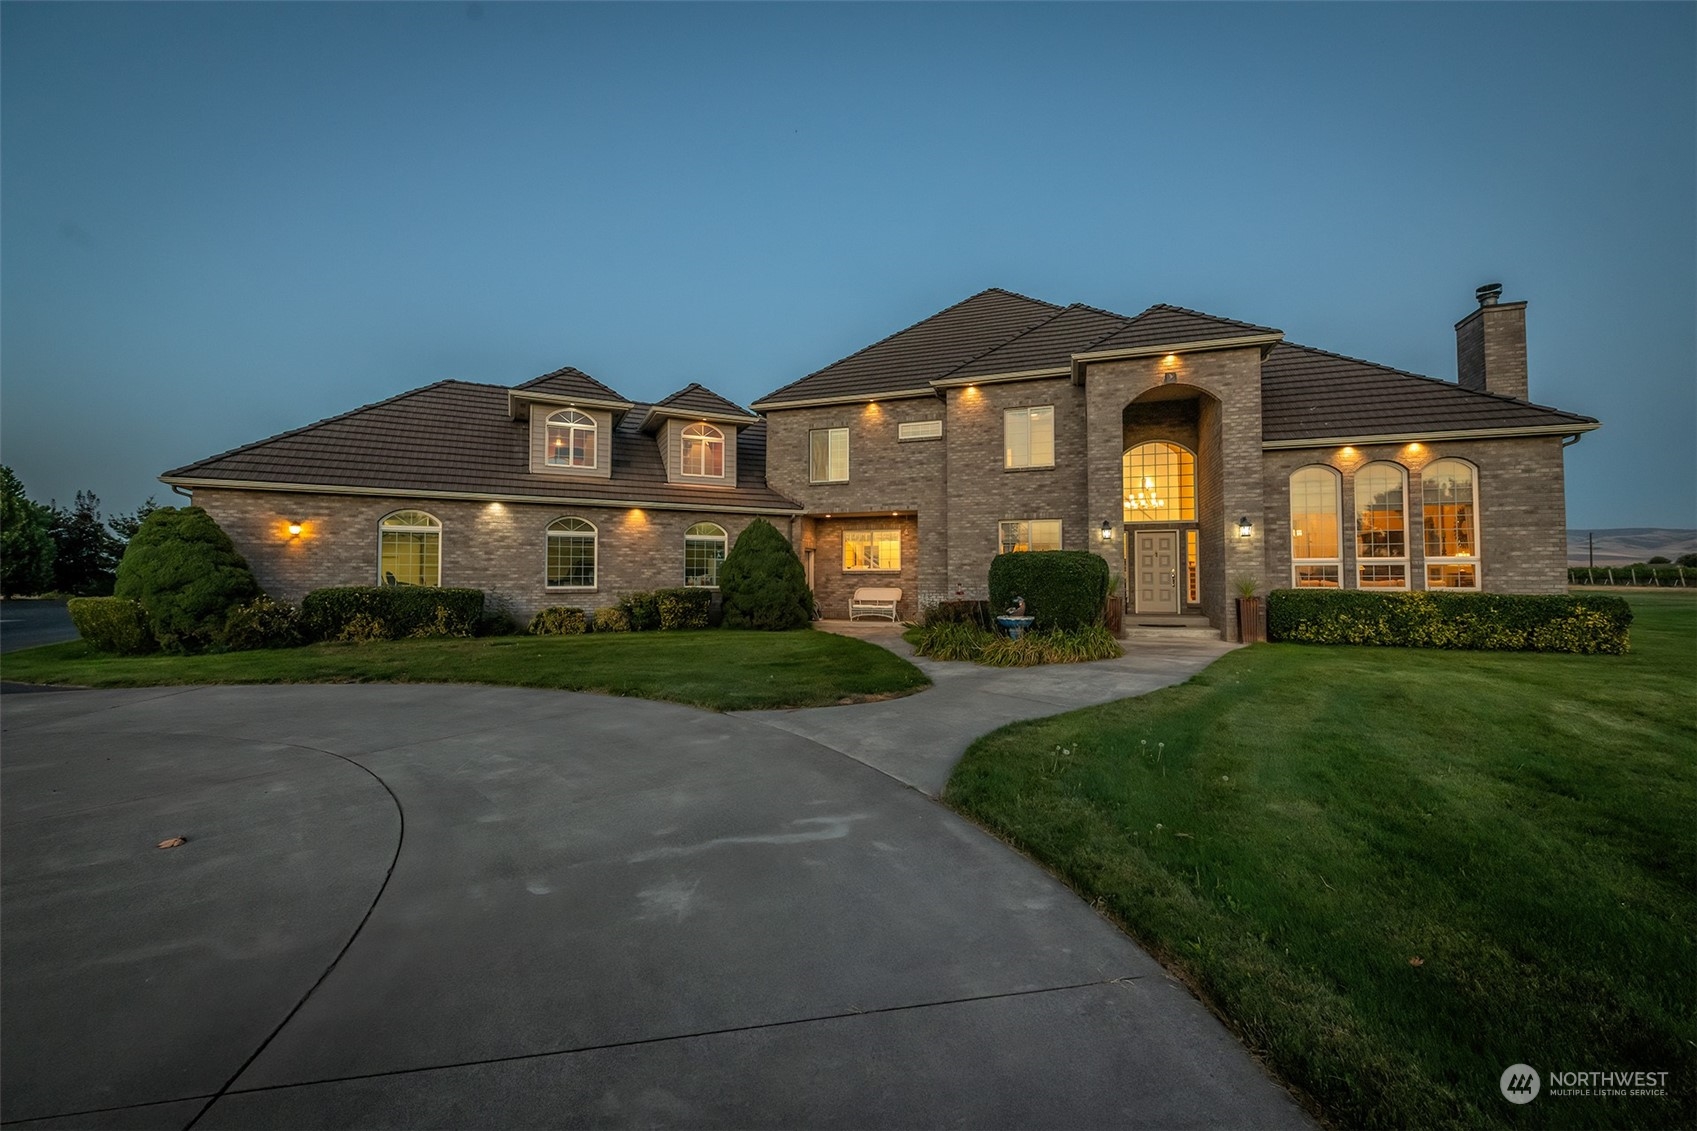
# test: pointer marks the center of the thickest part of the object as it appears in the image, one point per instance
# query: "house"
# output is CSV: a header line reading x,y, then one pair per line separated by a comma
x,y
1189,450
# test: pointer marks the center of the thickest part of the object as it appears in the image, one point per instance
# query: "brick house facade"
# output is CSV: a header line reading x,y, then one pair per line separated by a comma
x,y
1192,452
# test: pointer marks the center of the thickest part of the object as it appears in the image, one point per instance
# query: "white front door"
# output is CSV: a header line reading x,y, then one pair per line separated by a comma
x,y
1157,571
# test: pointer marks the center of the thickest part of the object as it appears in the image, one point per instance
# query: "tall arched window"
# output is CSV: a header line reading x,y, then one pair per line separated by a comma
x,y
704,549
703,450
409,549
1159,483
1381,527
1449,496
571,554
1314,542
571,439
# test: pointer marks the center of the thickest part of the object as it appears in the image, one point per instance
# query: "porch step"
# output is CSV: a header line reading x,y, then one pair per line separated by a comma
x,y
1136,632
1168,620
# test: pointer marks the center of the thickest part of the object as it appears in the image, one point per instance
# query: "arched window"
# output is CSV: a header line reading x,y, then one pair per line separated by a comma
x,y
1159,483
571,554
703,450
704,549
1449,497
1381,527
1314,542
409,549
571,439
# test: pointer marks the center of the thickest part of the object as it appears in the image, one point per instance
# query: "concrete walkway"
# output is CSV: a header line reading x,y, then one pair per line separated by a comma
x,y
428,906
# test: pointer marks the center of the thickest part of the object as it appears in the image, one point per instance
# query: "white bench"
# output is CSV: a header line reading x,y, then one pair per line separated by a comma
x,y
871,602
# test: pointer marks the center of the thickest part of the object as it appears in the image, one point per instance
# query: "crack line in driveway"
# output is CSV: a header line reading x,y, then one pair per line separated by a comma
x,y
639,1041
400,839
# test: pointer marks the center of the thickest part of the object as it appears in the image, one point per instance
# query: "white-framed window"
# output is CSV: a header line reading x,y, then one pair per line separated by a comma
x,y
1028,436
1449,518
828,455
1019,535
571,439
872,551
1316,545
704,551
1192,571
703,451
409,549
919,430
1381,526
571,554
1158,480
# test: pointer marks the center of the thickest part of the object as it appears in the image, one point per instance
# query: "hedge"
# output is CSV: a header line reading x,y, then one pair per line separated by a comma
x,y
559,620
113,624
390,612
1485,621
262,623
1063,589
641,611
684,608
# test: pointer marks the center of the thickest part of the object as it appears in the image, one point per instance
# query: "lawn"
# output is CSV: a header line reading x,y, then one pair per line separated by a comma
x,y
1396,872
720,669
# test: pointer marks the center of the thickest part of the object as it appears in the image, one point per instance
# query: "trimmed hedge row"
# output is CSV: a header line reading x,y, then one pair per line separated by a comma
x,y
1482,621
389,612
113,624
1063,589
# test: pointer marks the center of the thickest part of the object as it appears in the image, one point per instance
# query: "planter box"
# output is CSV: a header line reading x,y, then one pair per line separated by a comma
x,y
1252,620
1113,615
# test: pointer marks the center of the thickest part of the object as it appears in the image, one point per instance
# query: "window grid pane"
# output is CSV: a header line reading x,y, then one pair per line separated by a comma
x,y
1379,522
1452,576
1317,577
702,558
411,557
1448,517
1017,536
1029,437
703,451
1159,483
879,550
1313,515
571,561
827,460
1192,572
571,439
1383,577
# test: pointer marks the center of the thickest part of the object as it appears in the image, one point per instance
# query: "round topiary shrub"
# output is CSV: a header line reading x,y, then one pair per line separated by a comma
x,y
762,582
186,573
1063,589
559,620
611,619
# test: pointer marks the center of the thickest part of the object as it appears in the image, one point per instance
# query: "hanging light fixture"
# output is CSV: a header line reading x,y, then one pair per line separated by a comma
x,y
1244,527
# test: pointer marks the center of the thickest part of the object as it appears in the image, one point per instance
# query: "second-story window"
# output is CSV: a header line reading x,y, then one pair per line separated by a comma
x,y
571,439
1028,436
827,455
703,450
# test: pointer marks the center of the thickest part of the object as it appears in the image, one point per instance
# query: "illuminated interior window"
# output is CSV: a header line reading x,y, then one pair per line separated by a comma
x,y
1381,527
704,551
1192,573
1314,541
1159,482
1028,437
703,450
571,439
571,554
409,549
1450,521
1020,535
872,550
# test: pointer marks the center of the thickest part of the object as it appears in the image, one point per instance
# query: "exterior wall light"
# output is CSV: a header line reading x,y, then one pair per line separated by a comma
x,y
1244,527
1107,531
294,529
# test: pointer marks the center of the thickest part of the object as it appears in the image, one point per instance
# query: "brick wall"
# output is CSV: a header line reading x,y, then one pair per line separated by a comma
x,y
833,585
1490,350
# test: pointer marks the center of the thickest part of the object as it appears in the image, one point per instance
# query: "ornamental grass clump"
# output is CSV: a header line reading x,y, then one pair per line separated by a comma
x,y
762,582
186,573
950,640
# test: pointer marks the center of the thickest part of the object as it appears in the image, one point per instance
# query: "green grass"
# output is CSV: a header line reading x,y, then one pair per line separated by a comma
x,y
720,669
1294,827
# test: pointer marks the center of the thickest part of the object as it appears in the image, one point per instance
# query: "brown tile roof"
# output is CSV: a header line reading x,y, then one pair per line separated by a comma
x,y
570,382
1163,325
457,436
694,398
925,351
1048,345
1308,393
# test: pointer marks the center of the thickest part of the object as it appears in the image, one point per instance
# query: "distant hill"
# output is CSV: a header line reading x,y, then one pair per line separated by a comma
x,y
1623,545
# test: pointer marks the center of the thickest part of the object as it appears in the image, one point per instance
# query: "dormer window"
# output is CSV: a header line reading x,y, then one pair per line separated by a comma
x,y
703,451
571,439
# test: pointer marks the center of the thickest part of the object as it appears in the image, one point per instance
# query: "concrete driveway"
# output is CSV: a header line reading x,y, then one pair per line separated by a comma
x,y
427,906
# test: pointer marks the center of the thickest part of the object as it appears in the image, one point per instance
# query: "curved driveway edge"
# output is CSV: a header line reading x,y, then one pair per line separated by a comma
x,y
604,912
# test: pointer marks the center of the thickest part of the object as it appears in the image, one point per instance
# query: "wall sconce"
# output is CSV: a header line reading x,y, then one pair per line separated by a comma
x,y
1244,527
1107,531
295,529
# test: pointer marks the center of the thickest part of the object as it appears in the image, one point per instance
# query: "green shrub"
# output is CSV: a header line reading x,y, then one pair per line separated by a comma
x,y
950,640
1063,589
391,611
611,619
497,618
683,608
262,623
363,628
112,624
957,612
186,573
762,582
559,621
1589,622
641,611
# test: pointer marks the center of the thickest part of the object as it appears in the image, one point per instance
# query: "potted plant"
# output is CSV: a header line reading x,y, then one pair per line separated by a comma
x,y
1113,613
1251,610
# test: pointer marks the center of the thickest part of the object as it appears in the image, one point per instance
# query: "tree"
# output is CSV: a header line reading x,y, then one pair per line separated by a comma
x,y
26,540
1658,560
126,525
762,582
85,554
1689,561
186,573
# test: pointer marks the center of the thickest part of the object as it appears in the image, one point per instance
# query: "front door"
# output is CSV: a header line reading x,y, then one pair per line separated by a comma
x,y
1157,571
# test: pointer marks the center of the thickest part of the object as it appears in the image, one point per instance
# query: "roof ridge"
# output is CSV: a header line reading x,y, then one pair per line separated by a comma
x,y
1004,345
1211,317
328,420
903,330
564,369
718,396
1433,380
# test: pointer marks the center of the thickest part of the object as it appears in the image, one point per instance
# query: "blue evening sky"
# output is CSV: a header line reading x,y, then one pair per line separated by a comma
x,y
223,221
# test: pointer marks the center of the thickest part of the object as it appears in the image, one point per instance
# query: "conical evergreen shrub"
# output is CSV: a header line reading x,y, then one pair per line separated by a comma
x,y
186,573
762,582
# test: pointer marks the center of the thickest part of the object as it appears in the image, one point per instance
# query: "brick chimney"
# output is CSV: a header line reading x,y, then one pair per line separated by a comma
x,y
1490,345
